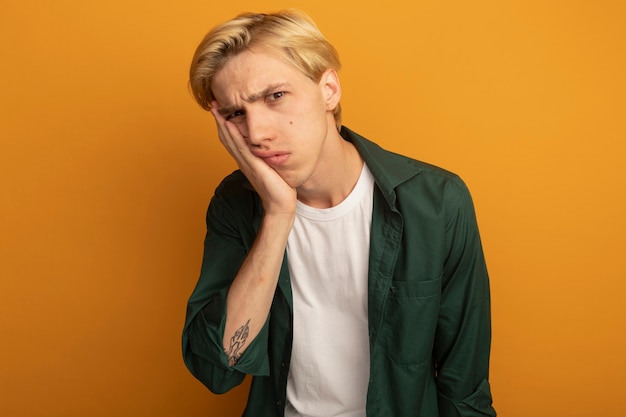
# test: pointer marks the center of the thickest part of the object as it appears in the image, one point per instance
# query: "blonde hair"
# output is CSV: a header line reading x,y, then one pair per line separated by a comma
x,y
290,31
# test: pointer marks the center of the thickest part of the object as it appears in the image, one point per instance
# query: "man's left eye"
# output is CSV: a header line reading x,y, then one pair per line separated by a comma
x,y
275,96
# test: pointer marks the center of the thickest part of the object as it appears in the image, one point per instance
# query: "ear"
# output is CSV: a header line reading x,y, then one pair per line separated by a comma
x,y
331,88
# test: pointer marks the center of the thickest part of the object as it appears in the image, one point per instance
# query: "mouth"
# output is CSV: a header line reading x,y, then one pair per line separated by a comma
x,y
276,159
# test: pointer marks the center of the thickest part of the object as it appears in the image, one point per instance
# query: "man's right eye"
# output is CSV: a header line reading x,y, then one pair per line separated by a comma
x,y
234,114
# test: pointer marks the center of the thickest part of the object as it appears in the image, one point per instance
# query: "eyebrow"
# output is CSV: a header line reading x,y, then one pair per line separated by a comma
x,y
226,110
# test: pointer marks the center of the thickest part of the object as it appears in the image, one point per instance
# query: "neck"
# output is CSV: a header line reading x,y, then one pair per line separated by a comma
x,y
336,175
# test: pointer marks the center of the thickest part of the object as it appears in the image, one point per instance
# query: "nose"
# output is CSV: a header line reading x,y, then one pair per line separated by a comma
x,y
258,127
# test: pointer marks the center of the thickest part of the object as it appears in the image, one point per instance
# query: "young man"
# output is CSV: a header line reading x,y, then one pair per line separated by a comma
x,y
347,280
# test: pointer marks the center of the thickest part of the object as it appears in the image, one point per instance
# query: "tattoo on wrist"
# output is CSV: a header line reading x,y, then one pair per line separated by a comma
x,y
236,344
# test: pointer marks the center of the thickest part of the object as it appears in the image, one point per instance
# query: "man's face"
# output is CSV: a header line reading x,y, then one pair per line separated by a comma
x,y
285,117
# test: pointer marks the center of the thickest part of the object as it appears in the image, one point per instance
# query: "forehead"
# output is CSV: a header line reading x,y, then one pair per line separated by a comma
x,y
252,71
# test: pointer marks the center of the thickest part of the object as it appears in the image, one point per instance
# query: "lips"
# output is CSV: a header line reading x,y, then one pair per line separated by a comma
x,y
274,159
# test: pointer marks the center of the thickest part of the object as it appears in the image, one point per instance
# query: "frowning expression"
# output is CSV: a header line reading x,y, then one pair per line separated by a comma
x,y
285,116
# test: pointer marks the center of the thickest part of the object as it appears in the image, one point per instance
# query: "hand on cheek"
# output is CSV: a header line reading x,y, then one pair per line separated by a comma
x,y
275,193
229,134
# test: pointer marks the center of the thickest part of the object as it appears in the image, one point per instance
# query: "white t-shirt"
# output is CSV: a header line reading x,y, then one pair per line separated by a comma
x,y
328,253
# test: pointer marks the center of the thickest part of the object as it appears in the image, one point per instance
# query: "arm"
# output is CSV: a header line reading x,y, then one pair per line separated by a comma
x,y
228,310
251,293
462,344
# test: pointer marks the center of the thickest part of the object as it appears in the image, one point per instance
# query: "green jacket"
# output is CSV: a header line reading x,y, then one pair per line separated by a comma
x,y
428,297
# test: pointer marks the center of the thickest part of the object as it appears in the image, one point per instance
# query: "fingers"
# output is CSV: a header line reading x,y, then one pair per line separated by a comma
x,y
235,143
228,134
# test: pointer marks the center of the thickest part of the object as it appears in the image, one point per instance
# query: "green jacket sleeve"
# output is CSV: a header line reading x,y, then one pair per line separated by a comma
x,y
462,342
230,233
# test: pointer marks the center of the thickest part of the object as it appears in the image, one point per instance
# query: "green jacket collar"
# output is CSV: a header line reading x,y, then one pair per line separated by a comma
x,y
389,169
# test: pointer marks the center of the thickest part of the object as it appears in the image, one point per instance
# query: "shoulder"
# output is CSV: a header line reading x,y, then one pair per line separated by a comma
x,y
233,183
235,188
433,189
394,171
439,178
234,197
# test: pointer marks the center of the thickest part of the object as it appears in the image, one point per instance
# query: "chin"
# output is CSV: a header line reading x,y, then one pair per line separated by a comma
x,y
292,183
291,178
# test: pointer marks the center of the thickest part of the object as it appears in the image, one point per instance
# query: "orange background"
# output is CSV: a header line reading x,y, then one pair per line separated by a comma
x,y
107,166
